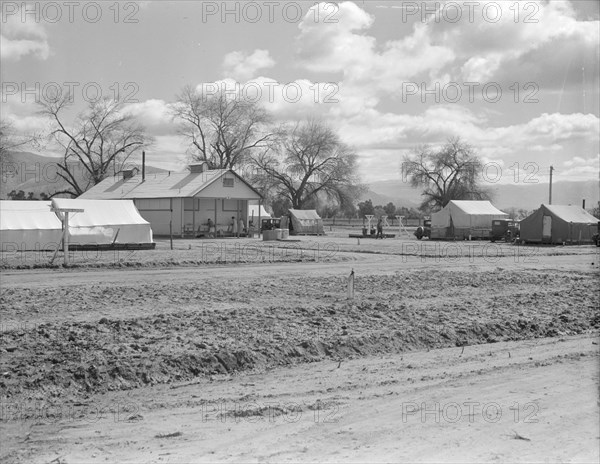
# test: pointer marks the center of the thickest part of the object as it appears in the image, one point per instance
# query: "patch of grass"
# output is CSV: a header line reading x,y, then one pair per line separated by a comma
x,y
168,435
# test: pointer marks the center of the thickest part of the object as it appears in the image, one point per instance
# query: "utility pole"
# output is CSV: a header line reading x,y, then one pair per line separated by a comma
x,y
583,86
550,196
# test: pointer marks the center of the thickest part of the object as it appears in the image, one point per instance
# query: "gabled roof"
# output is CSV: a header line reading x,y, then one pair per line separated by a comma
x,y
477,207
572,213
162,185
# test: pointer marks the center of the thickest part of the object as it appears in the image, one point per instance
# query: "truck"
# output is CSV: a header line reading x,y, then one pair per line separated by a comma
x,y
504,229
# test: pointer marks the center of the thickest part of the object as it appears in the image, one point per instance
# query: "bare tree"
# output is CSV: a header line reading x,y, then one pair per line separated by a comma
x,y
450,173
102,138
309,160
10,140
222,129
516,213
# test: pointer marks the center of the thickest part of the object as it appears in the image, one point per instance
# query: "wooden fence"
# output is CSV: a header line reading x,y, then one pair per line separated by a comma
x,y
343,222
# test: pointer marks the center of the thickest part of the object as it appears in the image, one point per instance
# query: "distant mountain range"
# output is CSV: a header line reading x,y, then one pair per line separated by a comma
x,y
34,173
38,174
526,196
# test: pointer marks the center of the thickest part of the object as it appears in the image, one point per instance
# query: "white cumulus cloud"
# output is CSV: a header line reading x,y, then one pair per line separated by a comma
x,y
21,36
242,66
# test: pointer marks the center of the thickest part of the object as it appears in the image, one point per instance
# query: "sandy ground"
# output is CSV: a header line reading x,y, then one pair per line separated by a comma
x,y
334,247
445,354
510,402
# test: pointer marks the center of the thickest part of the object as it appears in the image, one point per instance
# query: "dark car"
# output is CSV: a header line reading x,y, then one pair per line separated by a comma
x,y
504,229
270,224
424,230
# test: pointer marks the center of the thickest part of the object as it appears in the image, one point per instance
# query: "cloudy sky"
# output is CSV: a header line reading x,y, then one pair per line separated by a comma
x,y
519,81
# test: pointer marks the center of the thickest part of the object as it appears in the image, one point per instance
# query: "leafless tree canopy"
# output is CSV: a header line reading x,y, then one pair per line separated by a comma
x,y
10,140
221,129
308,161
517,213
450,173
101,139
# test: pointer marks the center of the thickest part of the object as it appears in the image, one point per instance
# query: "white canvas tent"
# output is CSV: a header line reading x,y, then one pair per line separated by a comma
x,y
460,219
305,222
104,222
253,211
28,225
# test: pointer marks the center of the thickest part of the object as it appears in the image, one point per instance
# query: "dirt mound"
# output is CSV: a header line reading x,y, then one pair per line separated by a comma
x,y
177,333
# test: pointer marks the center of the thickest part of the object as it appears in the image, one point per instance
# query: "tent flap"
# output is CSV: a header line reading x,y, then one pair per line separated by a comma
x,y
103,221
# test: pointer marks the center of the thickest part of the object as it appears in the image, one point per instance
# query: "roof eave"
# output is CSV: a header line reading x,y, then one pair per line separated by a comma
x,y
225,171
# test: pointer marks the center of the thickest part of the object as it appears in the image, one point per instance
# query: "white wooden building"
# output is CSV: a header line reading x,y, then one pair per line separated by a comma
x,y
184,201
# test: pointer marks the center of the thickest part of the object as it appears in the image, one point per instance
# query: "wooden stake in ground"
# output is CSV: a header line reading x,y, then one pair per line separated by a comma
x,y
351,285
520,437
62,237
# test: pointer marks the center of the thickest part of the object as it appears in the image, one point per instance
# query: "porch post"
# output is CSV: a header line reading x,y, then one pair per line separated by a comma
x,y
66,239
182,217
194,215
259,221
171,223
215,218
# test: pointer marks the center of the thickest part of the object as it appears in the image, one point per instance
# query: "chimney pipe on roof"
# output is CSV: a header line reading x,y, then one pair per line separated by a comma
x,y
583,204
143,165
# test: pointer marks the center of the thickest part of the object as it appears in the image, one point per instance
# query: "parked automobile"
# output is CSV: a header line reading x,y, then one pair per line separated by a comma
x,y
424,230
504,229
270,224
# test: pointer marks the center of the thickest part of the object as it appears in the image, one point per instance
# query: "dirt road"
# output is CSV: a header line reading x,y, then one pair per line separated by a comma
x,y
506,402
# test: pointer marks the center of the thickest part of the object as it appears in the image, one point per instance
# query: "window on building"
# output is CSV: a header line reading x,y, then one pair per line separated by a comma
x,y
227,181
